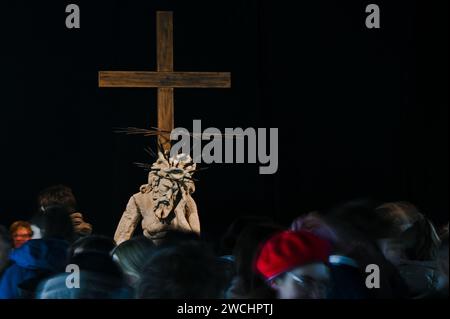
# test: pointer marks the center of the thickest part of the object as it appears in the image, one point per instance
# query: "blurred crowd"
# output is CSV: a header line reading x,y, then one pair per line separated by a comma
x,y
356,250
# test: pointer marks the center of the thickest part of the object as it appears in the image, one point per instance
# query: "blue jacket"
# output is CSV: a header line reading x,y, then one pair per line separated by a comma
x,y
32,260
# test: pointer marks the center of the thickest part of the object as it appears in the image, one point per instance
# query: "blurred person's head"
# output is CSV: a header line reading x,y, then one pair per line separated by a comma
x,y
412,236
92,244
92,285
57,224
184,271
227,267
96,262
62,196
58,195
99,276
343,237
174,237
21,232
443,261
444,232
314,223
248,244
295,265
229,239
5,247
93,256
132,255
358,228
362,217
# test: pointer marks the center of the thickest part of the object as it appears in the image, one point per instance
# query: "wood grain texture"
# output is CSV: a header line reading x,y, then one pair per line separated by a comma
x,y
165,115
164,30
165,79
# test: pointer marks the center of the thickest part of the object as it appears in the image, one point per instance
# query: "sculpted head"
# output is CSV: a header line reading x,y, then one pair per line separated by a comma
x,y
170,180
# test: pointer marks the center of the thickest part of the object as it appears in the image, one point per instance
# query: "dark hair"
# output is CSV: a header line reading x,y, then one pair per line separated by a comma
x,y
358,227
184,271
96,262
229,239
4,235
133,254
443,257
92,244
57,224
400,215
413,228
443,232
92,255
175,237
361,215
59,195
5,246
246,251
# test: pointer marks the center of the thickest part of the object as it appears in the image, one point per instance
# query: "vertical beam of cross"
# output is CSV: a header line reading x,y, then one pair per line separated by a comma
x,y
166,112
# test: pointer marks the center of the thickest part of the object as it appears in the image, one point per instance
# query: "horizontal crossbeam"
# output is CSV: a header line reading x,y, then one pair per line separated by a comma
x,y
142,79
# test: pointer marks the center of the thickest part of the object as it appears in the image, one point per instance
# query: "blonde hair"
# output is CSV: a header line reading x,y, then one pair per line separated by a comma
x,y
20,224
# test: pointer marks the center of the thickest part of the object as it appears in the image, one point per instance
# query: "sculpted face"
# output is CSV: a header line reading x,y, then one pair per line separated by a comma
x,y
167,179
164,195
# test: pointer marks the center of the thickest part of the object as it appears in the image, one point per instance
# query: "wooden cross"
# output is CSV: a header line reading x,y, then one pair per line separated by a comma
x,y
165,79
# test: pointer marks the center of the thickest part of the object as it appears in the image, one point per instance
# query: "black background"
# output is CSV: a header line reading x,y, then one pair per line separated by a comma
x,y
361,113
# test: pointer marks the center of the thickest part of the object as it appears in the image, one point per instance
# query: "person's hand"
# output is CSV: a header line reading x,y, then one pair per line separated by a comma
x,y
80,226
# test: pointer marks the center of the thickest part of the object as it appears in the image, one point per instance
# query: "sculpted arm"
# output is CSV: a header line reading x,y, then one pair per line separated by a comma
x,y
128,222
192,214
